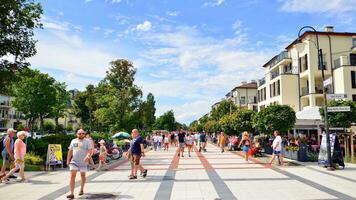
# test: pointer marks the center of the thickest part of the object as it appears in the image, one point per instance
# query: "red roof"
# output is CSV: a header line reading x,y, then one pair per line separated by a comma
x,y
251,85
320,33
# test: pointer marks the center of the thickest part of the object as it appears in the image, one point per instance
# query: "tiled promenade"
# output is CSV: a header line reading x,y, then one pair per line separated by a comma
x,y
211,175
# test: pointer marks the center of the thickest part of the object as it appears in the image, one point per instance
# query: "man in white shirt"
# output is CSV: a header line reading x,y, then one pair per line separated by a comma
x,y
277,148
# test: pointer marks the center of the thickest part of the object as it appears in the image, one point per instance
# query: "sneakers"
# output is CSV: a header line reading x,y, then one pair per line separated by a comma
x,y
71,196
133,177
144,174
81,193
12,176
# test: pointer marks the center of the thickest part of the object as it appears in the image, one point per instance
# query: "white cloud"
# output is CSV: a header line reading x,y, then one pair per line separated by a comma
x,y
319,6
55,26
145,26
108,32
63,51
173,13
96,28
214,3
189,66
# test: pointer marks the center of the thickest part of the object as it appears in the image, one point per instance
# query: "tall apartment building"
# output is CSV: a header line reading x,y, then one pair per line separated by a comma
x,y
294,78
9,116
244,95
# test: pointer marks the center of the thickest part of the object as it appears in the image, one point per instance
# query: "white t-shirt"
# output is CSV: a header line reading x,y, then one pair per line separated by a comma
x,y
155,138
160,138
166,140
277,143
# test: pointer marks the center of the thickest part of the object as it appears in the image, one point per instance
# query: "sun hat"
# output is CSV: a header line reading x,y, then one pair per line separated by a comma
x,y
11,130
21,133
102,142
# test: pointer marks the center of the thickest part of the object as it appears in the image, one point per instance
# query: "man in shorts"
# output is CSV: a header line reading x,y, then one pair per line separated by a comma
x,y
79,153
136,151
277,148
202,142
181,140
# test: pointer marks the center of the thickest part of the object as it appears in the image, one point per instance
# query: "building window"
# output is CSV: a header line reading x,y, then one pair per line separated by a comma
x,y
354,97
353,59
242,100
278,87
264,93
353,42
353,79
2,124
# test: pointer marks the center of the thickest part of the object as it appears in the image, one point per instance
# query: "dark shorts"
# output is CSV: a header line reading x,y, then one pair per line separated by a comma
x,y
135,159
276,152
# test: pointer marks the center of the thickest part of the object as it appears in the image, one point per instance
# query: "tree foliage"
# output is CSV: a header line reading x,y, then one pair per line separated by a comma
x,y
340,119
61,103
166,122
18,19
148,112
275,117
35,95
243,120
225,107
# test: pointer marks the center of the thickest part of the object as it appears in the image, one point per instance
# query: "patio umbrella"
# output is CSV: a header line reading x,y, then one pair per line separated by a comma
x,y
121,135
125,141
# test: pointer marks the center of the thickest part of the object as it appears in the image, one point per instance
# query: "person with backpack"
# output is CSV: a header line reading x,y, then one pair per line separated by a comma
x,y
7,151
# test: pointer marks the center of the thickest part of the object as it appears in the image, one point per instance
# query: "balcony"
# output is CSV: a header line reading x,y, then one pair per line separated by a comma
x,y
277,59
261,81
274,74
344,61
305,91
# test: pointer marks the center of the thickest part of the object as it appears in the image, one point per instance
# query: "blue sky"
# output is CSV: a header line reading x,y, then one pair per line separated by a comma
x,y
189,53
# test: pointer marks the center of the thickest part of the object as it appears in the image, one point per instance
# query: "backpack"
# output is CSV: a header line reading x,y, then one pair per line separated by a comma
x,y
2,145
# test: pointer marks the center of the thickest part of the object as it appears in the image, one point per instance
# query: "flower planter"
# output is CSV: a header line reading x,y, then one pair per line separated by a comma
x,y
300,155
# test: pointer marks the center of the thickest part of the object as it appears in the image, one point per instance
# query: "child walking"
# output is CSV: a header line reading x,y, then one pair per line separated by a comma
x,y
102,155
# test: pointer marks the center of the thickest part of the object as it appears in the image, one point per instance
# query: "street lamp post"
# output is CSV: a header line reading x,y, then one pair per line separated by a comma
x,y
321,66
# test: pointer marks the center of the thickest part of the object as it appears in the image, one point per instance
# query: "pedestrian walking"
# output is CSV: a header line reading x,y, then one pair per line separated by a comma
x,y
19,156
155,141
222,140
136,151
172,138
202,141
181,141
277,148
8,151
246,142
78,157
166,143
91,161
189,141
102,156
160,141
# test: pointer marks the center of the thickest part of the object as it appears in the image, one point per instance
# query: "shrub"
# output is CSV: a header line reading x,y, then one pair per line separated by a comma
x,y
32,159
48,126
292,148
312,156
69,128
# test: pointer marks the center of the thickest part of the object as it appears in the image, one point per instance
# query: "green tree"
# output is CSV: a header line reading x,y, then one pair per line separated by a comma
x,y
242,120
18,19
117,97
196,126
212,126
48,126
225,107
275,117
226,124
35,95
90,103
80,109
340,119
148,112
166,122
61,102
